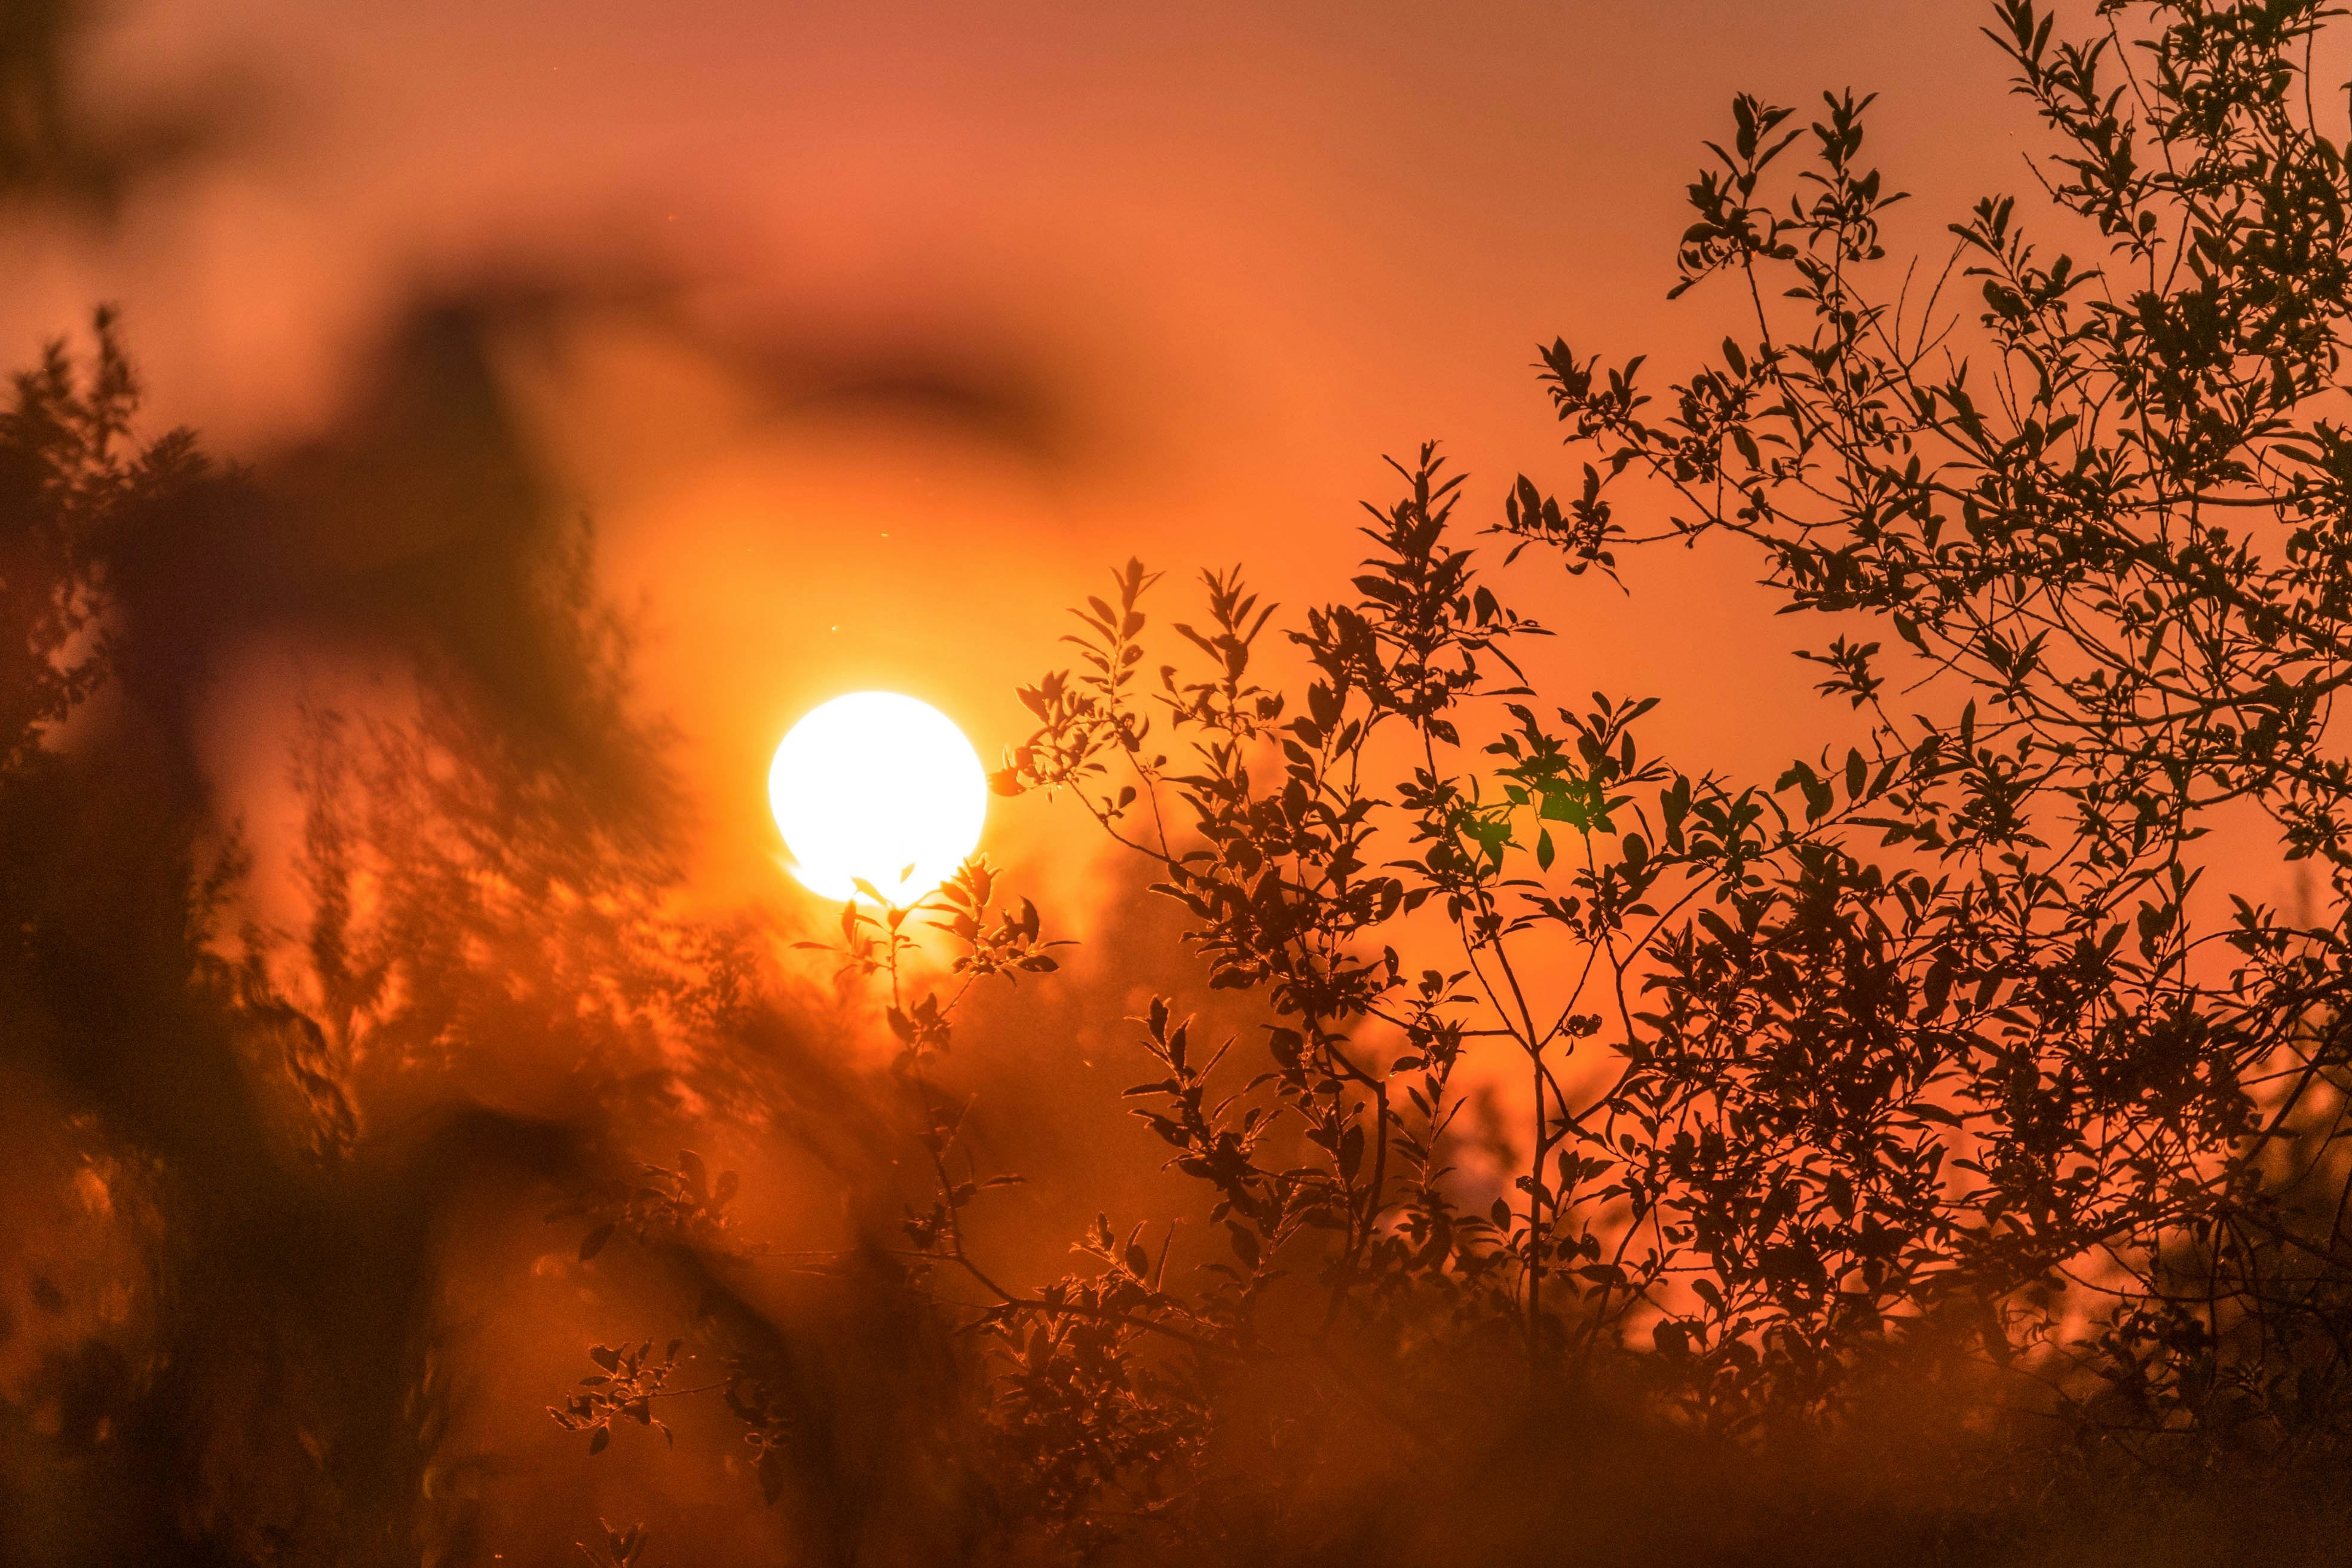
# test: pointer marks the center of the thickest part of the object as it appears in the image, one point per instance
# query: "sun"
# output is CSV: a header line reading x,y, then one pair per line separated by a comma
x,y
878,786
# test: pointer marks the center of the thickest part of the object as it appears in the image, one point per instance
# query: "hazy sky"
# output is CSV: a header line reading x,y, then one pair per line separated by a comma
x,y
878,329
1217,258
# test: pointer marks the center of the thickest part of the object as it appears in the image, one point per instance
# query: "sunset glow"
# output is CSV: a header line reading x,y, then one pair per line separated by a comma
x,y
878,788
1546,784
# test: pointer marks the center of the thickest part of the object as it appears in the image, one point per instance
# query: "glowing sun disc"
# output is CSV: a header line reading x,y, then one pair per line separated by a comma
x,y
869,784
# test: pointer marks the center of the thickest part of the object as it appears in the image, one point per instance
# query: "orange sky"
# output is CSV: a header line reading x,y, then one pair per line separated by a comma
x,y
1225,255
1200,264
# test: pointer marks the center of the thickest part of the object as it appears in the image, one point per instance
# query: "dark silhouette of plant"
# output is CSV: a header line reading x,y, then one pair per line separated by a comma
x,y
70,478
627,1381
1951,1043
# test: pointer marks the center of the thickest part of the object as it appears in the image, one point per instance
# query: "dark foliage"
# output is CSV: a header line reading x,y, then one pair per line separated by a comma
x,y
1933,1153
1946,1061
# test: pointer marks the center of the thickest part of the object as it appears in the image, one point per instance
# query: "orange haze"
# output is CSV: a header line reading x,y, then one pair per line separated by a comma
x,y
1192,270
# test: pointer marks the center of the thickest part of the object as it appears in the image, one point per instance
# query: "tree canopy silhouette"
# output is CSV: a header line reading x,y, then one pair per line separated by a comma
x,y
1950,1053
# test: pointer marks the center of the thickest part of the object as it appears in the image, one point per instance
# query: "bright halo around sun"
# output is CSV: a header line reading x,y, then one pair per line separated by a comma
x,y
871,785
